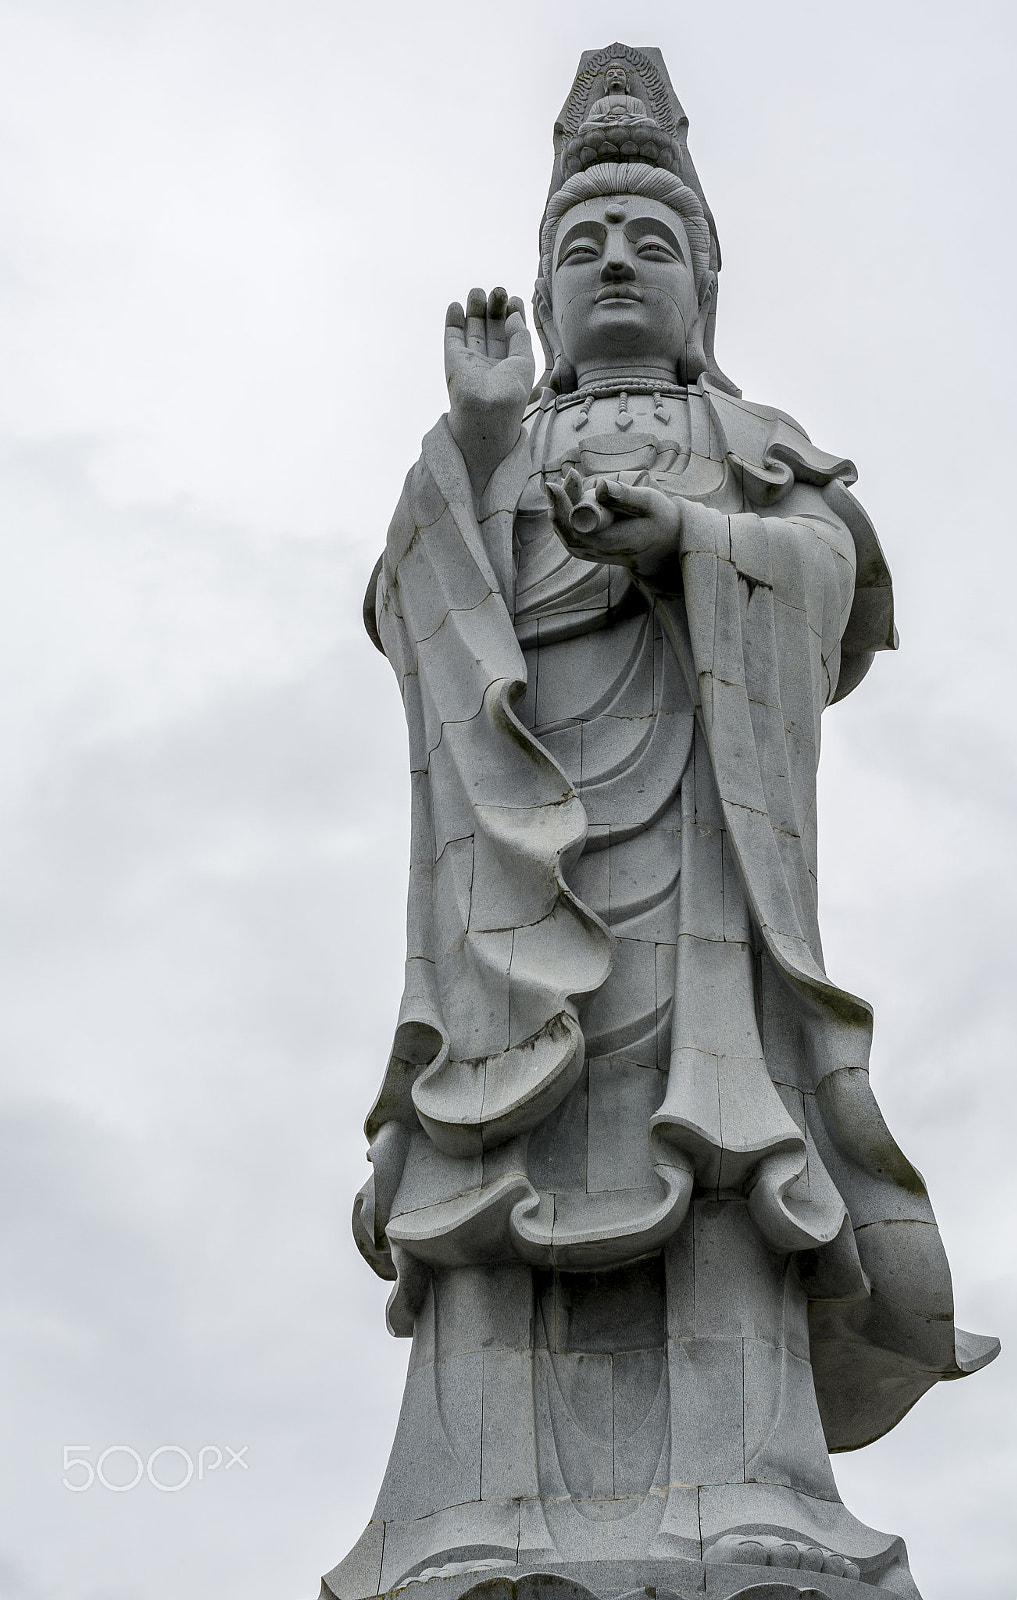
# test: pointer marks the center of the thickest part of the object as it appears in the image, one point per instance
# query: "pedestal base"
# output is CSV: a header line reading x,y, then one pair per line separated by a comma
x,y
673,1579
651,1427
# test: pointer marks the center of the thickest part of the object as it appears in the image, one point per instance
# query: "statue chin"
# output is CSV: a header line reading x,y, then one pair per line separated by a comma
x,y
655,1247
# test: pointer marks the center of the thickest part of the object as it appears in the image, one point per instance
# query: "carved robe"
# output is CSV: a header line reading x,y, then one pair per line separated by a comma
x,y
615,1003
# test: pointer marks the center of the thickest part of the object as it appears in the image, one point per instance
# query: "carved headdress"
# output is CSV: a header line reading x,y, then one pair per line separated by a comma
x,y
622,130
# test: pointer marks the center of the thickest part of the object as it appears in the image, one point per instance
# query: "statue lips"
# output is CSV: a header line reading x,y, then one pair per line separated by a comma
x,y
618,291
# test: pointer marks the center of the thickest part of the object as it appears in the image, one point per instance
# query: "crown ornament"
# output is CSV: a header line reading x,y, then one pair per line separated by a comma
x,y
623,109
618,127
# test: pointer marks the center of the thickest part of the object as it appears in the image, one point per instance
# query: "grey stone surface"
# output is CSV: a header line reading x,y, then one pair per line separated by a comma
x,y
491,1579
656,1249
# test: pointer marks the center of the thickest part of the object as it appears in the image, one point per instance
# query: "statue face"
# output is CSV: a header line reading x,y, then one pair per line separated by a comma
x,y
622,283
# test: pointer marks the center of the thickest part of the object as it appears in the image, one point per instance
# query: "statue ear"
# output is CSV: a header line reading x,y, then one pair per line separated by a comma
x,y
718,379
563,379
697,360
560,374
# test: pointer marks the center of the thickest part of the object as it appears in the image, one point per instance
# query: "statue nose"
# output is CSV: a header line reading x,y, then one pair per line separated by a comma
x,y
616,267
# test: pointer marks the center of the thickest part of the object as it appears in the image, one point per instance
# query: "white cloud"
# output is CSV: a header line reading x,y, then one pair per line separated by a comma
x,y
229,234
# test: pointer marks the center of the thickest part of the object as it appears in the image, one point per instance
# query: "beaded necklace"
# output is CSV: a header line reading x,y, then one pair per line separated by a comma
x,y
582,399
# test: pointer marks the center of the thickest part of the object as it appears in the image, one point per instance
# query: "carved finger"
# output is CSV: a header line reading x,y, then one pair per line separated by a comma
x,y
574,487
476,321
497,341
455,335
561,507
623,497
519,344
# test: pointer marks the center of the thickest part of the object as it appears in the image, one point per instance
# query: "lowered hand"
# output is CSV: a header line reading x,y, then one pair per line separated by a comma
x,y
629,525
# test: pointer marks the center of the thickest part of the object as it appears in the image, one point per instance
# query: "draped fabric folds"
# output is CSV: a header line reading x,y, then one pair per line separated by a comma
x,y
782,600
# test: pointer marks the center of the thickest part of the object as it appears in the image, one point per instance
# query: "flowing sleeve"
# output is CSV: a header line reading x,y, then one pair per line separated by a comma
x,y
784,604
498,946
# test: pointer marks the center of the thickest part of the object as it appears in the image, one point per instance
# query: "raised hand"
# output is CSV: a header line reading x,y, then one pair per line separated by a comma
x,y
489,371
624,524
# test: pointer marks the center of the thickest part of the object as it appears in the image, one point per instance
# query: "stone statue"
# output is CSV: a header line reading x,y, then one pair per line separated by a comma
x,y
656,1250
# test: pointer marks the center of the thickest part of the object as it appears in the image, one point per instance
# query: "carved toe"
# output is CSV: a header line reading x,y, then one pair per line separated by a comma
x,y
770,1550
747,1553
812,1559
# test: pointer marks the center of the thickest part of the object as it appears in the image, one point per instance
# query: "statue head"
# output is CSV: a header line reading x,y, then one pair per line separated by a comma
x,y
629,254
625,274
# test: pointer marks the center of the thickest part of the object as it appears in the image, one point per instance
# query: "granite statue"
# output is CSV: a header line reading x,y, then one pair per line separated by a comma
x,y
656,1250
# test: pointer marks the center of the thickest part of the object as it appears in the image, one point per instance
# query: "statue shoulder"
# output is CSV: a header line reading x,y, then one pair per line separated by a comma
x,y
541,405
537,419
770,452
770,448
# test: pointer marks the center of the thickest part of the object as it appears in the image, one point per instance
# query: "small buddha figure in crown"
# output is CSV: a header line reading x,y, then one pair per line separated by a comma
x,y
616,103
617,126
656,1250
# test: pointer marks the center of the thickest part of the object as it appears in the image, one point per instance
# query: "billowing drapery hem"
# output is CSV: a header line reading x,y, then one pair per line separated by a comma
x,y
882,1314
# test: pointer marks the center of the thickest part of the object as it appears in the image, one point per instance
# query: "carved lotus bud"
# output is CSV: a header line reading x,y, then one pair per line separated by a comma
x,y
618,139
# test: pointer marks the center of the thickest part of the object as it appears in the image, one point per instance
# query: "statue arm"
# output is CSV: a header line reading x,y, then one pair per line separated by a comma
x,y
436,487
809,538
802,552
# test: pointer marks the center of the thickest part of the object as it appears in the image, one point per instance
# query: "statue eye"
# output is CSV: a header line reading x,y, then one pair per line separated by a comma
x,y
583,250
656,250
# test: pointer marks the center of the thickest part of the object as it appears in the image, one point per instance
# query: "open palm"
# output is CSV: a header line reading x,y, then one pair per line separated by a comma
x,y
489,370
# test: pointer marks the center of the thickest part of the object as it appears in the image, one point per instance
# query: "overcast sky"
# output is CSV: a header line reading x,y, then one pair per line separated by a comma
x,y
228,233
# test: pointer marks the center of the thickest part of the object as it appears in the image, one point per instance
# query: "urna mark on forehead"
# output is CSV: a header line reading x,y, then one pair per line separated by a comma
x,y
630,186
636,215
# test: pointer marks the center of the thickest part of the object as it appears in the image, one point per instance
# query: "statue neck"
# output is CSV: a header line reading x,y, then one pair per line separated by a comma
x,y
616,372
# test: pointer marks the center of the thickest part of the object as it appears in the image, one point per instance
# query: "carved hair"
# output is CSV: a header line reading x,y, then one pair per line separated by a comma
x,y
629,178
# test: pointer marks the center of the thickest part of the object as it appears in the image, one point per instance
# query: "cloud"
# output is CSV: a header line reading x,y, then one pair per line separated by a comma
x,y
229,236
